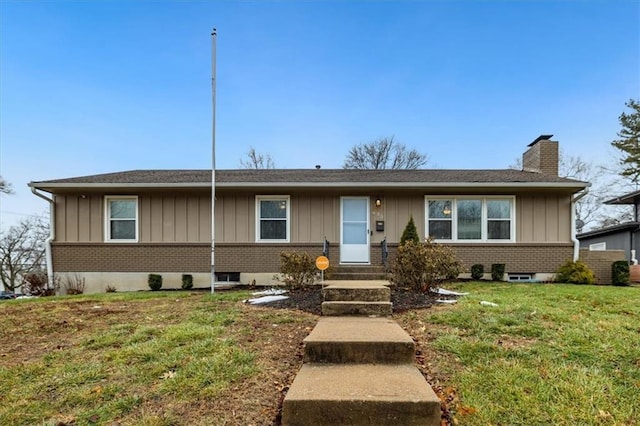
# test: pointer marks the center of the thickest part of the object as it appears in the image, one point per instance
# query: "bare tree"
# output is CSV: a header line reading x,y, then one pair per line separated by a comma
x,y
384,153
5,187
257,161
22,250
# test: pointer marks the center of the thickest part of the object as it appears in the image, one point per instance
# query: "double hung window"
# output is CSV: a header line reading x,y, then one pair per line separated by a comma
x,y
121,215
272,217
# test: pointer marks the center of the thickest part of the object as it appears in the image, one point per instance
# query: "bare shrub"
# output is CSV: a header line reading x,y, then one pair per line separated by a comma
x,y
73,284
37,284
297,269
423,265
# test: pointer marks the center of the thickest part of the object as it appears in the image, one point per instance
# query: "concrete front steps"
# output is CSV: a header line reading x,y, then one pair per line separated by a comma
x,y
358,272
347,340
367,298
360,394
359,371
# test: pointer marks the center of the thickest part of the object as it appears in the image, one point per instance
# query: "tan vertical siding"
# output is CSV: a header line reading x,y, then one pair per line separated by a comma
x,y
205,218
542,218
181,219
84,219
61,217
564,218
233,217
539,219
245,221
551,219
301,222
314,218
168,219
331,218
72,218
97,219
225,219
155,217
144,216
395,212
316,212
187,218
193,218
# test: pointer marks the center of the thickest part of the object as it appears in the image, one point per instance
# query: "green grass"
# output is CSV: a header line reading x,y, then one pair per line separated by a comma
x,y
138,352
548,354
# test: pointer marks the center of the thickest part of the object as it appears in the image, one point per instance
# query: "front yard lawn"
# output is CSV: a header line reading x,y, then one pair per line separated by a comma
x,y
157,358
547,354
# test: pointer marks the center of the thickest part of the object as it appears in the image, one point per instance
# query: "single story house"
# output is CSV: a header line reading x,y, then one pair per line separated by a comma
x,y
114,229
623,236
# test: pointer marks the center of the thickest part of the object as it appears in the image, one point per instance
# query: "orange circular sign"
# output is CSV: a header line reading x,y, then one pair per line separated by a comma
x,y
322,262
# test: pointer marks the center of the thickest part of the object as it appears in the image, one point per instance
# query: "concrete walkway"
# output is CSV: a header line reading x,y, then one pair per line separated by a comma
x,y
359,370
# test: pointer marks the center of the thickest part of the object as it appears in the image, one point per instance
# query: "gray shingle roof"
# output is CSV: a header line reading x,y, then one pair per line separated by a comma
x,y
623,227
630,198
302,177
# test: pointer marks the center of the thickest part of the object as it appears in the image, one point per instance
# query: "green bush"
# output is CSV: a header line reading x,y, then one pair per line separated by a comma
x,y
409,266
155,282
297,269
620,273
497,271
423,265
410,233
575,273
187,281
477,271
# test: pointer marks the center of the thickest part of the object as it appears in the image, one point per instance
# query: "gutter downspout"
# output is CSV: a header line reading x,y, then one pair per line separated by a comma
x,y
574,240
52,235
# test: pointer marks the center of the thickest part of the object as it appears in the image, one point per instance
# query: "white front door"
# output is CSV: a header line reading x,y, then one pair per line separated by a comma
x,y
354,230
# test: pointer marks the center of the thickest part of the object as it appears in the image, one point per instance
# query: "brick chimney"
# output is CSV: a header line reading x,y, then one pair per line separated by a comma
x,y
542,156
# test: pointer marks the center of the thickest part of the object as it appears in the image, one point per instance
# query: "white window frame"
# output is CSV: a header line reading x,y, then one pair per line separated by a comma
x,y
598,246
107,218
483,221
285,198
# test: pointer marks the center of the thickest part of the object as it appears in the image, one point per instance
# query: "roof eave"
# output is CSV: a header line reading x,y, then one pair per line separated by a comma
x,y
629,226
49,187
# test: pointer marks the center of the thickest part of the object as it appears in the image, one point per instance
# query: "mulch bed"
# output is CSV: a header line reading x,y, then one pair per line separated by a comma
x,y
310,300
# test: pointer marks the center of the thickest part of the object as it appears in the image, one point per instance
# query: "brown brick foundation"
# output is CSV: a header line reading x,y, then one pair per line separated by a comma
x,y
254,258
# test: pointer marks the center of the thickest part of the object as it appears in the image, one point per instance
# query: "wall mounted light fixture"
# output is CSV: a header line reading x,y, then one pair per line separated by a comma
x,y
447,210
378,202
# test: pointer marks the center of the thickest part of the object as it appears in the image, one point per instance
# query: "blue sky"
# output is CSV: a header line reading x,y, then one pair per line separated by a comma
x,y
100,86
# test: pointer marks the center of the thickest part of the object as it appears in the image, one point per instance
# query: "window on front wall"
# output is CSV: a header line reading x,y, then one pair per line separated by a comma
x,y
498,219
121,219
272,215
469,219
440,223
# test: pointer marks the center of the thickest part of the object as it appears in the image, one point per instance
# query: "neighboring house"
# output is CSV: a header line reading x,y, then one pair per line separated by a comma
x,y
114,229
624,236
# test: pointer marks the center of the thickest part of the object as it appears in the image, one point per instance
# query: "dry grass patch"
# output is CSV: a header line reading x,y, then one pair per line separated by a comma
x,y
147,358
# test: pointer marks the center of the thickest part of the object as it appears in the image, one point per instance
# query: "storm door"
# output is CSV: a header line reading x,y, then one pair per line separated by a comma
x,y
354,230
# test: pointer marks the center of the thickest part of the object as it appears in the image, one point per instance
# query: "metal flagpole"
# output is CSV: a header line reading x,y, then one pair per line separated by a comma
x,y
213,160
